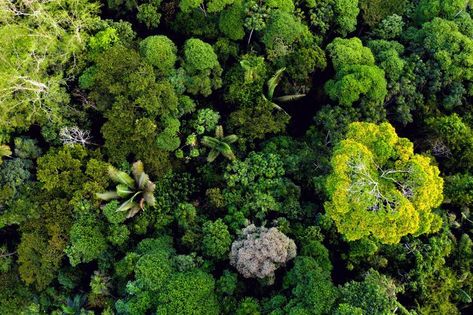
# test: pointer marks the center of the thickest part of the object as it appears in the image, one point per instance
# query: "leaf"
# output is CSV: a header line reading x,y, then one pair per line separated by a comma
x,y
219,132
123,190
143,180
133,211
213,154
149,198
210,142
109,195
289,98
120,177
150,186
137,169
274,81
230,139
127,205
226,151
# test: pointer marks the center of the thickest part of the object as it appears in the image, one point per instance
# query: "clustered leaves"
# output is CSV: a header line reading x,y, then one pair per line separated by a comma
x,y
139,189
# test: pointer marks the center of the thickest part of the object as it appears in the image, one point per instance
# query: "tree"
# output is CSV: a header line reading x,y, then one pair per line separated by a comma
x,y
148,13
257,186
339,16
375,11
260,251
217,240
426,10
312,290
283,30
159,51
379,187
451,137
190,292
209,6
128,187
444,74
376,294
202,67
357,77
87,242
62,170
43,45
219,144
231,22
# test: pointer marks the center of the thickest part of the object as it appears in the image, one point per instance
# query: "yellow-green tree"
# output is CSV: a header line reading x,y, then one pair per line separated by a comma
x,y
379,187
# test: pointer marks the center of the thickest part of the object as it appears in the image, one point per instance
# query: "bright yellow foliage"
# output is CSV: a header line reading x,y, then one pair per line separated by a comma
x,y
379,187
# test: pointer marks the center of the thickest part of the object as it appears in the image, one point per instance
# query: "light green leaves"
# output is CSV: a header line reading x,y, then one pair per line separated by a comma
x,y
139,185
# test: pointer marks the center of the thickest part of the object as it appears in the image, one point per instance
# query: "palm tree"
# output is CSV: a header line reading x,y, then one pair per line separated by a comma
x,y
219,144
139,189
4,151
272,83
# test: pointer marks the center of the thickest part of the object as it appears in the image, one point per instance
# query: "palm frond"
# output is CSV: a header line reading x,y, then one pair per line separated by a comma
x,y
143,180
226,151
133,211
289,98
230,139
123,190
127,205
219,132
213,154
149,198
108,195
274,81
120,177
137,170
210,142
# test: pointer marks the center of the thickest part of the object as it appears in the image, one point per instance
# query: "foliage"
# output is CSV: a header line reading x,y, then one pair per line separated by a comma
x,y
159,51
379,187
260,251
217,240
202,67
348,135
127,187
219,144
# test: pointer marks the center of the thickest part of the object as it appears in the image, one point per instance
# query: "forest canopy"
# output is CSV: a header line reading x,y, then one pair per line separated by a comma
x,y
201,157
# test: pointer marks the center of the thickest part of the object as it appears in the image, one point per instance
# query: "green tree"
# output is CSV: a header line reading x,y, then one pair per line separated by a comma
x,y
375,11
159,51
451,136
202,67
148,13
43,46
257,186
87,242
217,240
189,292
426,10
312,290
231,22
376,294
357,77
379,187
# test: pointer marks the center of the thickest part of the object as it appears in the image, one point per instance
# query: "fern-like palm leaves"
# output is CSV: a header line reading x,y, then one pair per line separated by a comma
x,y
138,189
272,83
220,144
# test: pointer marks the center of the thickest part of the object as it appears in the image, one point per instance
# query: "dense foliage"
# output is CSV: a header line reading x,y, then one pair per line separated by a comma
x,y
236,157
